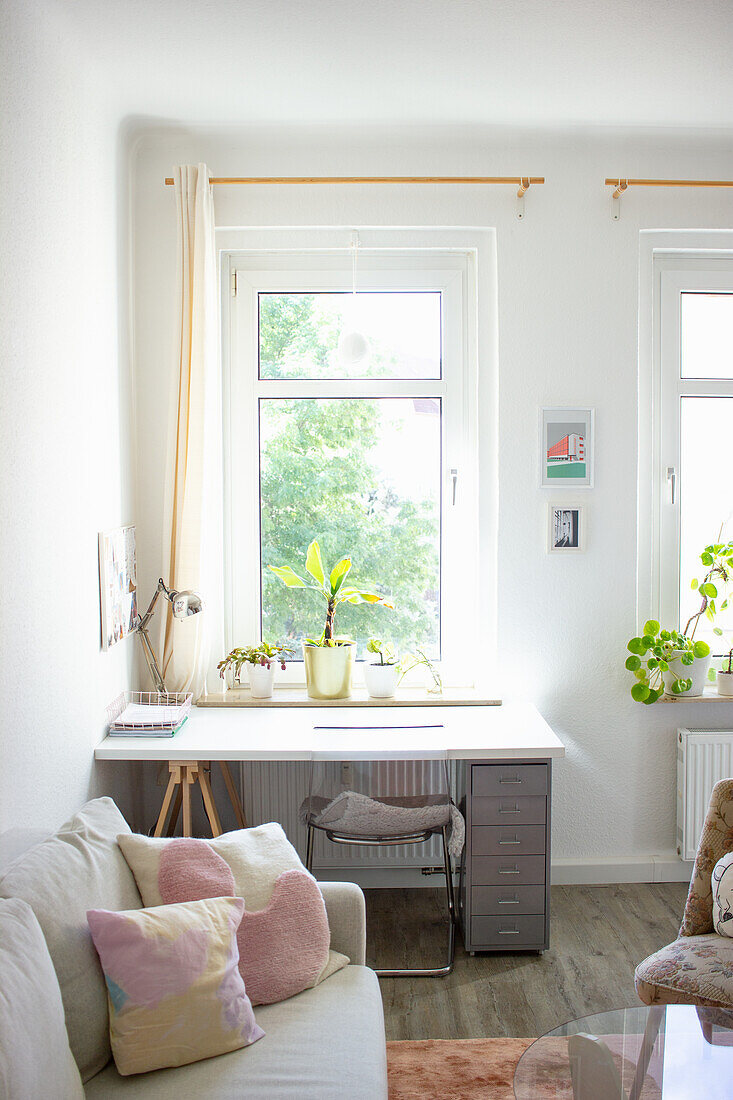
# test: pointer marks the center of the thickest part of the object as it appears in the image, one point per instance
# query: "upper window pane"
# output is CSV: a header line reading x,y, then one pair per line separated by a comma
x,y
706,335
370,334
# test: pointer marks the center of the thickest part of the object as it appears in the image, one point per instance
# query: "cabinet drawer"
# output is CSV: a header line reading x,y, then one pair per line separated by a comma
x,y
507,932
508,840
507,901
509,810
508,779
507,871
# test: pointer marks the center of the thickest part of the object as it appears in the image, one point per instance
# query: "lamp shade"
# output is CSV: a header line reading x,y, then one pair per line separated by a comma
x,y
185,603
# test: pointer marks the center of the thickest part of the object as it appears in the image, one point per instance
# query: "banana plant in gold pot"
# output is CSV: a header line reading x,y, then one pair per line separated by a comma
x,y
329,660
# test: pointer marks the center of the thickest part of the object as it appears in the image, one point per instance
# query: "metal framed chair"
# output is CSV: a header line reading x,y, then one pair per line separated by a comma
x,y
382,804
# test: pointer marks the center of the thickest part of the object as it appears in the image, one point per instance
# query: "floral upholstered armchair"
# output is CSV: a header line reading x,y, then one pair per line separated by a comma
x,y
697,968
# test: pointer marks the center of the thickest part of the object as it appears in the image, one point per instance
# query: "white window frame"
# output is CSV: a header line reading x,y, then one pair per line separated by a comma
x,y
264,260
671,263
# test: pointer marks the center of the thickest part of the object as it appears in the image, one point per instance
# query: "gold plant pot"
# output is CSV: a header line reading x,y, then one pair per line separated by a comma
x,y
328,670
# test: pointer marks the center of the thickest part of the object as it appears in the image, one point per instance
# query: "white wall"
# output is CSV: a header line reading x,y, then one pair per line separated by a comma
x,y
568,289
66,453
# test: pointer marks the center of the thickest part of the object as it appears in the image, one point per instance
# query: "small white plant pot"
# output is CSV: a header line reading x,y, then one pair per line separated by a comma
x,y
697,672
261,679
725,683
381,680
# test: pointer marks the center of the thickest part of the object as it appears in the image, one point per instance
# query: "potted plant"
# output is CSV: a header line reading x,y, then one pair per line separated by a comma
x,y
665,660
382,674
260,661
329,660
725,675
420,659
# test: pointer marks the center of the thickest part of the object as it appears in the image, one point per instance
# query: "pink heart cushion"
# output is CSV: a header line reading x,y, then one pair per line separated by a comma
x,y
283,948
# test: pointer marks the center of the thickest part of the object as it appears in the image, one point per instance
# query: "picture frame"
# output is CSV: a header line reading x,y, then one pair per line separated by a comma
x,y
565,528
567,442
117,584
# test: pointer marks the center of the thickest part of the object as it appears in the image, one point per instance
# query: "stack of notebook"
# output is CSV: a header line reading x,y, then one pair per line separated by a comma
x,y
148,720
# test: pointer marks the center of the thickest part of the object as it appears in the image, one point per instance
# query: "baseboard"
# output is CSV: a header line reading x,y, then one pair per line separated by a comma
x,y
565,872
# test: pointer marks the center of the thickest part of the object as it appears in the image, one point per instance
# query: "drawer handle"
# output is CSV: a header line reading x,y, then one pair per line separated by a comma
x,y
509,932
516,810
511,782
515,841
509,871
508,901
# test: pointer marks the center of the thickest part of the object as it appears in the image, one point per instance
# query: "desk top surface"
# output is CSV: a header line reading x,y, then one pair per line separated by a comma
x,y
513,731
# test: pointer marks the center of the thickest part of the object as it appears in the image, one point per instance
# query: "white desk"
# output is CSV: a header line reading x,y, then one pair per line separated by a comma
x,y
503,759
513,731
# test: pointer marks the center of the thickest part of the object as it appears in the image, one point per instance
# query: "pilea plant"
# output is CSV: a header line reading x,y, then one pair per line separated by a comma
x,y
331,588
651,655
718,560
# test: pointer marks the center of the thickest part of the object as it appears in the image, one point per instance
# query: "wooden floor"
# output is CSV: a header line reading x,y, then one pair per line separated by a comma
x,y
599,934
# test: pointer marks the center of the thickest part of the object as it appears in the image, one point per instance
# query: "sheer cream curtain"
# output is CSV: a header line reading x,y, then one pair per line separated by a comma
x,y
192,548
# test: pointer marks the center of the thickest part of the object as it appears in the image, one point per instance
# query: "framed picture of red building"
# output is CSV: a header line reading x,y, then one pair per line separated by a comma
x,y
566,448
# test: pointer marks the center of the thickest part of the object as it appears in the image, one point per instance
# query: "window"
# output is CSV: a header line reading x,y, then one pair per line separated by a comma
x,y
693,425
350,410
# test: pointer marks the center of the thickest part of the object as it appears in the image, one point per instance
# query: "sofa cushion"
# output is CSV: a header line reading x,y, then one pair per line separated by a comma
x,y
692,970
722,895
35,1059
175,991
284,937
325,1044
78,868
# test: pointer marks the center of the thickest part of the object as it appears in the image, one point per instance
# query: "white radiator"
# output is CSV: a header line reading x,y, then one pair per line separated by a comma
x,y
275,791
703,757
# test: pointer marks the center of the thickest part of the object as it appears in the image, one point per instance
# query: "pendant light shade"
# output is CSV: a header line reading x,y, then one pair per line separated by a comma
x,y
353,347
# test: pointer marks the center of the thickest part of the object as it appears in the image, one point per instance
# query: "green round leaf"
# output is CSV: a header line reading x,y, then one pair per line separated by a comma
x,y
712,675
652,697
639,693
636,645
664,635
652,662
651,626
706,558
641,674
677,687
664,667
701,649
633,662
717,630
708,589
686,659
648,640
695,582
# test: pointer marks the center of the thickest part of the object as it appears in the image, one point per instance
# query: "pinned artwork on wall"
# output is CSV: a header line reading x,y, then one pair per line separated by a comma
x,y
566,448
565,528
117,583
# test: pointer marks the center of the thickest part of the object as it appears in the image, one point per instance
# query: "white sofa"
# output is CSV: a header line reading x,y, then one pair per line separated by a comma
x,y
324,1044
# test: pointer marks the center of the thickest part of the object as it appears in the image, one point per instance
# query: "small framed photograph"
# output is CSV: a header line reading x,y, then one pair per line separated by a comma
x,y
565,528
117,584
566,448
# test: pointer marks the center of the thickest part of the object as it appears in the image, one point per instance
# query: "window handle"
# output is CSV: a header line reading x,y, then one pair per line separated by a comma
x,y
454,482
672,479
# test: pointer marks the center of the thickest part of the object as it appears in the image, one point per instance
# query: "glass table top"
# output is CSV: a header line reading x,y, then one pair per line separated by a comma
x,y
666,1052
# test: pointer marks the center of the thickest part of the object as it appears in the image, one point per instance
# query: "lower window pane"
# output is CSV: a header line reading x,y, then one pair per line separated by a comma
x,y
363,477
706,500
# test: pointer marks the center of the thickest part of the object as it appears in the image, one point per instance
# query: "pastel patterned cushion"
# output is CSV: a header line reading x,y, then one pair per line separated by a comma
x,y
722,892
692,970
284,935
175,991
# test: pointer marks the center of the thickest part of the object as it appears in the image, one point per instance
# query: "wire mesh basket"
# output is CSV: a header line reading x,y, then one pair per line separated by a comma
x,y
136,711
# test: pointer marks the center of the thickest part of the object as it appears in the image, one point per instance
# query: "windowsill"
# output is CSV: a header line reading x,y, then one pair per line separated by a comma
x,y
709,695
297,697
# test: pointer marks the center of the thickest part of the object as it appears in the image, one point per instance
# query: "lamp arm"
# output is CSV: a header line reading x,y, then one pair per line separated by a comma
x,y
151,660
143,622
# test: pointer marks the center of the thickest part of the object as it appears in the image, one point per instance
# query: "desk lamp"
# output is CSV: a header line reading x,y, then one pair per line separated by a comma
x,y
184,604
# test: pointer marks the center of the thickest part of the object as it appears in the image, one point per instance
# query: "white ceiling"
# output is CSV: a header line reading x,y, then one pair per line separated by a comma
x,y
487,62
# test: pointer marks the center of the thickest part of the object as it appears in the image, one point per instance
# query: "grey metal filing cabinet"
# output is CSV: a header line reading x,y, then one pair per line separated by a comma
x,y
504,887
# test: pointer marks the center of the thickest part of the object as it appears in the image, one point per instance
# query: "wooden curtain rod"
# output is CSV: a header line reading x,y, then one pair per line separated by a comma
x,y
620,183
522,182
